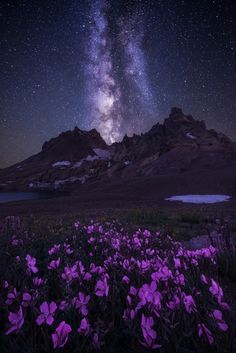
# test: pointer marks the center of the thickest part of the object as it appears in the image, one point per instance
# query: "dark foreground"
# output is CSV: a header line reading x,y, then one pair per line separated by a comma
x,y
103,288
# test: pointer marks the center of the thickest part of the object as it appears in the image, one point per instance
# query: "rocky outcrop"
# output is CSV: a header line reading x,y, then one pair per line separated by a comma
x,y
178,145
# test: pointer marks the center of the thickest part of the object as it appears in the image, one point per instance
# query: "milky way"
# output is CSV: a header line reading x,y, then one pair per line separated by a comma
x,y
116,65
118,91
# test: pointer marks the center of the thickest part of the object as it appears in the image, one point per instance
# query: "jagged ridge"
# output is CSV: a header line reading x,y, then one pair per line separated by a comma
x,y
180,144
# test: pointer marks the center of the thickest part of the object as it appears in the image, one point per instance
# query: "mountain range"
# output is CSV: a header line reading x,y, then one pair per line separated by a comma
x,y
78,159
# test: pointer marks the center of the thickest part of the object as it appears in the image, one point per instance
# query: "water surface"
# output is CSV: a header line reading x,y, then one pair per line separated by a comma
x,y
20,196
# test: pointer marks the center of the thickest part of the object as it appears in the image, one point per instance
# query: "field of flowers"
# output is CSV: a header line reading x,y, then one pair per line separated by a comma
x,y
102,288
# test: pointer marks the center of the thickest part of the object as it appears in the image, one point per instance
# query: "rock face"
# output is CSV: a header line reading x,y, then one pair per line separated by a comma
x,y
179,145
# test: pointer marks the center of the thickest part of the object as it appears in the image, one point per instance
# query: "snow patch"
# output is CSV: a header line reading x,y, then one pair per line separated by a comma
x,y
39,185
198,199
100,154
103,154
192,137
127,163
59,183
62,164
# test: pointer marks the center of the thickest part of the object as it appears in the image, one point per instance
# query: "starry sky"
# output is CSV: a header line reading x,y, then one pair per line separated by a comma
x,y
116,65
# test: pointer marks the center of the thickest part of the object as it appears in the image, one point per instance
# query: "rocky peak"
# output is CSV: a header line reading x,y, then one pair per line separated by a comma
x,y
177,120
76,141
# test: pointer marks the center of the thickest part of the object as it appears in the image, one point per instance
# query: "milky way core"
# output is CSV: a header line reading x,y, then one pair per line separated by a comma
x,y
119,96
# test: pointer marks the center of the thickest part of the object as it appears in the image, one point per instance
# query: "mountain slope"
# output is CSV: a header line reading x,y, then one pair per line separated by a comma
x,y
180,145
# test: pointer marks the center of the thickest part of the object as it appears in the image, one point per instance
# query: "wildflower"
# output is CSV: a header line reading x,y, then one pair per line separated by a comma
x,y
63,305
204,331
87,276
129,314
163,274
177,263
70,273
102,288
16,320
77,225
203,278
54,249
224,306
126,264
125,280
220,322
60,337
31,263
146,233
5,284
148,333
174,303
37,281
11,297
149,294
133,291
84,327
47,313
81,302
179,279
68,249
143,265
54,264
216,290
96,342
90,229
26,299
189,303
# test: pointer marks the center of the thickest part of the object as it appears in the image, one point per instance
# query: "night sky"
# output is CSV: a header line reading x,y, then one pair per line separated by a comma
x,y
115,65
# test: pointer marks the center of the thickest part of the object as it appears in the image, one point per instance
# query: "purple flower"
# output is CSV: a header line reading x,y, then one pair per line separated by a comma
x,y
149,294
63,305
5,284
81,302
133,290
26,299
102,288
204,331
31,263
189,303
177,263
174,303
11,297
219,320
143,265
129,314
125,280
47,313
37,281
148,333
96,342
77,225
90,229
84,327
163,274
216,290
54,264
60,337
16,320
70,273
203,278
54,249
